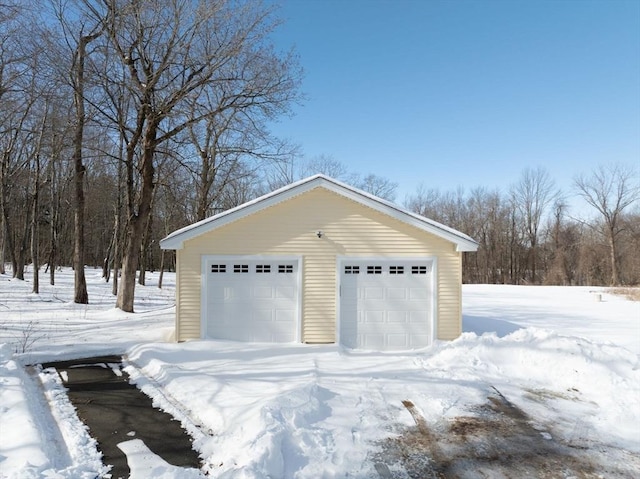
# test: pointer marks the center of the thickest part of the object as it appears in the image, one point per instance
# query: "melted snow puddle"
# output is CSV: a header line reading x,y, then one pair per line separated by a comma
x,y
144,464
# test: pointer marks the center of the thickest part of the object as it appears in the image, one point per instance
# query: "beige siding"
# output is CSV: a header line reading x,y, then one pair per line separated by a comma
x,y
289,228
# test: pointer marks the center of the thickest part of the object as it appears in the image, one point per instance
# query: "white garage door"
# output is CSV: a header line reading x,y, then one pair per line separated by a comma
x,y
386,304
252,299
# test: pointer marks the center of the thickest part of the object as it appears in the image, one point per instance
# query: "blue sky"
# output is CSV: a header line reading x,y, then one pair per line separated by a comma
x,y
466,92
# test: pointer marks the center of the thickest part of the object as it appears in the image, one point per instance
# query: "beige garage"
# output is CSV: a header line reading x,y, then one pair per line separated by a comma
x,y
319,262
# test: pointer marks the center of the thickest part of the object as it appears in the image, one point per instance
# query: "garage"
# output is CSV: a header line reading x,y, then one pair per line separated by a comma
x,y
252,299
386,304
319,262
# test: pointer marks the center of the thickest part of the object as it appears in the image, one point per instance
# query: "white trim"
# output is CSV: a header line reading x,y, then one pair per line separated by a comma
x,y
341,259
176,239
206,258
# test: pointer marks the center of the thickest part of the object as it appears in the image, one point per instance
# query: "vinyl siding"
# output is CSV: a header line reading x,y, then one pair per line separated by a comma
x,y
349,229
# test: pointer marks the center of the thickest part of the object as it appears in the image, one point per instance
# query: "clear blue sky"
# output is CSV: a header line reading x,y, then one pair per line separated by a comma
x,y
466,92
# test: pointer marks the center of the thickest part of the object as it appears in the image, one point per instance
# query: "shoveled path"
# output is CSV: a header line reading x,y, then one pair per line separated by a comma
x,y
116,411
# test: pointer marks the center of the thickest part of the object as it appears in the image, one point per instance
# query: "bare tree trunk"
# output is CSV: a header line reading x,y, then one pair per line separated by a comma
x,y
3,229
144,250
117,233
7,233
533,254
143,253
137,222
9,244
117,253
613,257
35,229
80,283
22,252
161,276
34,234
126,289
53,225
108,259
2,270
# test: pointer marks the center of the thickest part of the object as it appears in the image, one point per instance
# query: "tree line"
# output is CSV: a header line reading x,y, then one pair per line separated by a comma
x,y
122,121
529,235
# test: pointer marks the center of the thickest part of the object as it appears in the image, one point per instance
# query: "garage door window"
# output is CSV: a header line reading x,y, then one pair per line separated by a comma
x,y
218,268
396,269
374,269
420,270
285,268
240,268
352,270
263,268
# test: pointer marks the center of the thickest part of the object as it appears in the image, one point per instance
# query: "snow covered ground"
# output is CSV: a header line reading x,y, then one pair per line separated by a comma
x,y
538,368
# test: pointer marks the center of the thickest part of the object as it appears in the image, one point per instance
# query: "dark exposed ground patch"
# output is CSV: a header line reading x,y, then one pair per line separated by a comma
x,y
116,411
497,440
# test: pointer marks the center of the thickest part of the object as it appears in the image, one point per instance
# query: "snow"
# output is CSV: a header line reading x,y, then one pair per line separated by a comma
x,y
567,356
145,464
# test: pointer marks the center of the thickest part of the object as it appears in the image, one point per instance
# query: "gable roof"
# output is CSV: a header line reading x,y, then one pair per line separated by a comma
x,y
176,239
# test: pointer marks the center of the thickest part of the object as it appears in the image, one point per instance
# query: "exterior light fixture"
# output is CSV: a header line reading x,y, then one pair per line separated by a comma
x,y
319,234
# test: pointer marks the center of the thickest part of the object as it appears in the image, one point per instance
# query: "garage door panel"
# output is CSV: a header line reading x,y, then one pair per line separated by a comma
x,y
262,292
397,317
371,341
396,341
284,316
418,340
370,317
373,293
388,306
419,317
262,316
396,294
419,294
252,299
285,292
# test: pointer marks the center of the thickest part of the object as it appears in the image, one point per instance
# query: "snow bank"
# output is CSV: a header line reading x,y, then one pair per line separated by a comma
x,y
21,446
144,464
575,382
580,311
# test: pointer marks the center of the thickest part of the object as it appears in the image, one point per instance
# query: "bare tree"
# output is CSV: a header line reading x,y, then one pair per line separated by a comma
x,y
327,165
378,186
55,179
227,146
18,97
11,114
36,198
68,55
172,51
78,71
532,195
610,189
